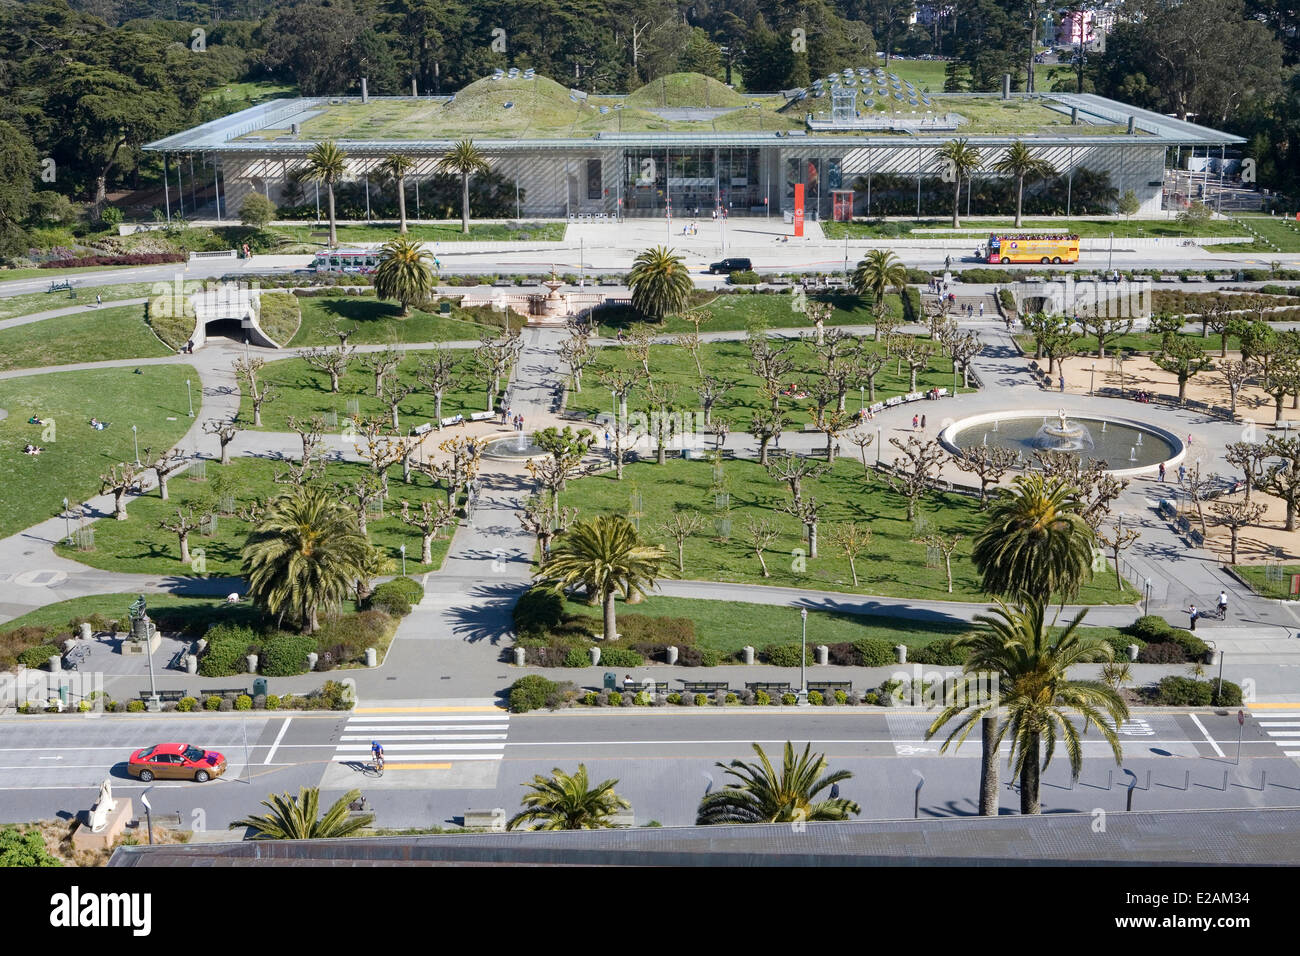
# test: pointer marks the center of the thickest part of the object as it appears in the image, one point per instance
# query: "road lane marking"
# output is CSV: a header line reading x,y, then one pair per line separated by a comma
x,y
417,766
1206,734
278,738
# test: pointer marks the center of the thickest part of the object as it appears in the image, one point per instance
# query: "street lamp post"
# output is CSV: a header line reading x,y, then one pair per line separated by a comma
x,y
189,393
862,398
403,550
1110,256
1146,607
1092,379
67,522
879,433
135,436
803,657
916,801
148,814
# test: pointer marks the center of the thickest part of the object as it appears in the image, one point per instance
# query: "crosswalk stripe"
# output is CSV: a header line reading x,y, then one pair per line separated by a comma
x,y
433,737
409,718
409,757
424,737
1291,753
1283,733
1277,723
414,727
365,748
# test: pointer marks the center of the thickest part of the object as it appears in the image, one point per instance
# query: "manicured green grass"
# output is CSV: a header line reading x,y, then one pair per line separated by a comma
x,y
1283,233
728,626
1087,228
114,607
1257,577
375,323
75,454
280,316
442,232
94,336
893,565
32,302
673,364
138,545
303,391
54,275
737,312
1138,342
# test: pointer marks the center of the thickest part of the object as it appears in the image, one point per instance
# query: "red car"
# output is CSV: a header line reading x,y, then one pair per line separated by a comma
x,y
176,762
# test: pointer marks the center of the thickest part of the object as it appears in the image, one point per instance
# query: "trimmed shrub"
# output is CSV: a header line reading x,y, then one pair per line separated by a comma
x,y
731,699
529,693
615,699
674,698
538,611
1119,644
135,706
394,597
212,702
747,277
783,655
1149,627
874,652
945,653
720,698
272,701
563,696
642,699
284,655
1163,652
620,657
762,698
226,705
710,658
574,657
243,702
38,656
346,637
789,699
590,698
815,698
841,698
687,700
1230,696
1196,649
701,700
134,259
259,702
871,697
1178,691
187,704
228,646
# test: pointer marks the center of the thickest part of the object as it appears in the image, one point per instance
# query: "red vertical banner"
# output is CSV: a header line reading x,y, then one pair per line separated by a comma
x,y
798,210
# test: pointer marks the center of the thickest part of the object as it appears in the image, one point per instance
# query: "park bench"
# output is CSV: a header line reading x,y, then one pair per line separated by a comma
x,y
165,695
702,686
224,691
422,429
647,685
942,392
453,420
482,416
778,280
64,286
809,427
223,254
828,687
502,283
609,281
484,819
772,688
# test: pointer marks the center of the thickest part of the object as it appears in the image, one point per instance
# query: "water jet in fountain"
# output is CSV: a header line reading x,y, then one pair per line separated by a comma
x,y
1063,435
516,447
1124,444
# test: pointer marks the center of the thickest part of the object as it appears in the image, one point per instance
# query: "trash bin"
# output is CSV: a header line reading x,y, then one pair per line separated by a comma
x,y
259,686
686,453
611,680
444,308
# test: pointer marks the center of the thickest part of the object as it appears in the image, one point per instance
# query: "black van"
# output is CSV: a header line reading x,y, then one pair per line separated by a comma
x,y
728,266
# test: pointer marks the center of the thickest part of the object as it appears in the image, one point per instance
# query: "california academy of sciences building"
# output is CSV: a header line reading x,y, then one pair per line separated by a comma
x,y
686,143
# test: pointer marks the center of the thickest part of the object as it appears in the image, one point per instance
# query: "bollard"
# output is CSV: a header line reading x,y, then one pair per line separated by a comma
x,y
200,645
1187,780
1263,779
1129,804
671,654
595,656
749,654
85,630
1110,779
56,663
521,656
1133,652
372,657
191,664
312,658
1225,781
823,654
900,651
252,663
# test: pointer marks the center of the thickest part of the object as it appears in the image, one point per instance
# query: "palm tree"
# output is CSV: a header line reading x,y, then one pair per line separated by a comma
x,y
659,282
464,160
607,556
298,818
763,797
563,802
1020,161
326,164
396,167
403,273
879,272
1035,541
961,159
306,552
1036,692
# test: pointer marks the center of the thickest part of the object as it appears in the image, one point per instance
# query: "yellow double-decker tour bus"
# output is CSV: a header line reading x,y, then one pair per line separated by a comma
x,y
1004,248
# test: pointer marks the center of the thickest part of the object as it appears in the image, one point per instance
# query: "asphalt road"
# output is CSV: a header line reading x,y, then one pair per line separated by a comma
x,y
446,759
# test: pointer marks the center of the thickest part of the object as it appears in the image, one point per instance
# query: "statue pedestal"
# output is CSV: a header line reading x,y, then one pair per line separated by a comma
x,y
129,646
115,825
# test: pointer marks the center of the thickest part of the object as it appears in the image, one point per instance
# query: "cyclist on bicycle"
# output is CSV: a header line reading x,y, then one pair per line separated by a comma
x,y
377,752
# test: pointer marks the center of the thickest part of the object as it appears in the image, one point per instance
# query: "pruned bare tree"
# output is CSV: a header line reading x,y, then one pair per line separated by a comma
x,y
850,539
163,465
863,439
771,363
310,431
380,447
543,517
945,544
793,470
1249,457
989,463
692,342
459,466
360,493
392,393
680,526
1197,485
432,518
719,428
188,519
118,481
577,354
761,533
436,373
806,510
711,391
333,361
259,393
963,348
766,427
1235,515
1234,374
1118,538
917,471
225,433
381,364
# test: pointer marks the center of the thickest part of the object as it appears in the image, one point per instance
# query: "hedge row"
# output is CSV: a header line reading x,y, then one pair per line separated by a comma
x,y
133,259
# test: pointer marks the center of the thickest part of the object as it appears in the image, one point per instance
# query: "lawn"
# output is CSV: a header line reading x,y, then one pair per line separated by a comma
x,y
94,336
54,275
75,454
303,391
1087,228
375,323
1257,576
1138,342
727,626
32,302
730,360
893,565
139,546
442,232
735,312
200,611
280,316
1277,230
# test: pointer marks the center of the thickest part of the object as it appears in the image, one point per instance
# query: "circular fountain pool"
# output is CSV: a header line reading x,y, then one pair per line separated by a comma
x,y
517,447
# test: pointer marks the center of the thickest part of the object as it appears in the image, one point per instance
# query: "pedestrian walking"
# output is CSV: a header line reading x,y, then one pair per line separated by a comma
x,y
521,422
1182,473
606,439
1194,614
1223,605
1162,471
981,310
915,420
1061,382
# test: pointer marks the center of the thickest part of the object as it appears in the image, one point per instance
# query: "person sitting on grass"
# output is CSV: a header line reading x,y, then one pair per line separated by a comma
x,y
96,424
32,450
35,420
